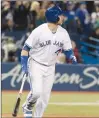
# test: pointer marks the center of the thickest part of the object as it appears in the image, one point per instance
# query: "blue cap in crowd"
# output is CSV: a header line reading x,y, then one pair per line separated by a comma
x,y
83,2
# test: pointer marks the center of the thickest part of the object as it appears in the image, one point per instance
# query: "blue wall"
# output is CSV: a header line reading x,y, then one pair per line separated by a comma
x,y
68,77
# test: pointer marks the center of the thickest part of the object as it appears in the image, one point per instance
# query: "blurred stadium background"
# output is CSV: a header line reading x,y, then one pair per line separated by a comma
x,y
76,89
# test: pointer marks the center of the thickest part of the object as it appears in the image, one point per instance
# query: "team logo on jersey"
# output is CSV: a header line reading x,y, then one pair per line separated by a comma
x,y
45,43
48,42
57,43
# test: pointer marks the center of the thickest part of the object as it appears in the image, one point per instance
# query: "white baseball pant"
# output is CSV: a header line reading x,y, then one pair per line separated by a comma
x,y
41,82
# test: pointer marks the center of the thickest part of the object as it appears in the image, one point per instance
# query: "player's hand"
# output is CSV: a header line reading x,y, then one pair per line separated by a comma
x,y
74,60
25,72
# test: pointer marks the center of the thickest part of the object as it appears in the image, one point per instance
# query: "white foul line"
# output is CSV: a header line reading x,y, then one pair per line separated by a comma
x,y
75,103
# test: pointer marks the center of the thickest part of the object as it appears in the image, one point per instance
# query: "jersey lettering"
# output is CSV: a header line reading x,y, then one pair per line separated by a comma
x,y
57,43
45,43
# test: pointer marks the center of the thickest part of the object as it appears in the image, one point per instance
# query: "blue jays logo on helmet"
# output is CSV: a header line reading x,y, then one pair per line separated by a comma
x,y
52,14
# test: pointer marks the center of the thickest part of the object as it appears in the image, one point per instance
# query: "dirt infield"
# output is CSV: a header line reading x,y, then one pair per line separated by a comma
x,y
55,92
47,116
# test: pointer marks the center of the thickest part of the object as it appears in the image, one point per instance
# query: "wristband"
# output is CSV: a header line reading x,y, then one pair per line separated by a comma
x,y
24,60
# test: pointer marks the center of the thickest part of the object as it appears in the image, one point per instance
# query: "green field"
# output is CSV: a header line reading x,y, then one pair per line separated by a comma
x,y
76,104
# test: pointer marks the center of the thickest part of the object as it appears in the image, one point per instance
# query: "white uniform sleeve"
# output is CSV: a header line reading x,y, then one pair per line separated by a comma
x,y
67,42
32,39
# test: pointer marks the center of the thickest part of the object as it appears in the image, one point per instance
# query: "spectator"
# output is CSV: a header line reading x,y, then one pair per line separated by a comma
x,y
33,13
84,17
41,17
10,25
96,29
6,14
70,23
94,36
46,4
93,39
95,14
20,16
9,49
61,4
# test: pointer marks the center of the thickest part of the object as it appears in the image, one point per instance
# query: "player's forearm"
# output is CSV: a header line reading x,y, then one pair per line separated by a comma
x,y
24,53
24,58
25,50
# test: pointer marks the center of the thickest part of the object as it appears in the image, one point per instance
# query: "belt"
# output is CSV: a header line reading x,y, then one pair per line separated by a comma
x,y
41,63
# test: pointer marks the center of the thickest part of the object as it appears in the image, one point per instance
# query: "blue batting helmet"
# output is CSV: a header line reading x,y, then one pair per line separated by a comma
x,y
52,14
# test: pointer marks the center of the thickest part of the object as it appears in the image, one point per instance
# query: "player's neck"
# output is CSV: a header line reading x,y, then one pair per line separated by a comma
x,y
52,27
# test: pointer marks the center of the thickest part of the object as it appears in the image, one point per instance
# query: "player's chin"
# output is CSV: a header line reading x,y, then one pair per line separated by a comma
x,y
60,22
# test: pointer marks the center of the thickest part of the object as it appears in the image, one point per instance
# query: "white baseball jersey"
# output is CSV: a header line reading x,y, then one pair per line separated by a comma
x,y
45,45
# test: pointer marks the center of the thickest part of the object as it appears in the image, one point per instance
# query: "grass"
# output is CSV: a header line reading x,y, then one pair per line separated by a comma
x,y
53,109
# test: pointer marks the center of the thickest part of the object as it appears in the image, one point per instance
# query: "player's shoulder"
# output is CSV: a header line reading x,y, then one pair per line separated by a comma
x,y
40,27
64,33
61,29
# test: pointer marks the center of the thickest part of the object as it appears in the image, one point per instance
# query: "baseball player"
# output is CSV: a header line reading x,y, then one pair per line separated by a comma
x,y
38,58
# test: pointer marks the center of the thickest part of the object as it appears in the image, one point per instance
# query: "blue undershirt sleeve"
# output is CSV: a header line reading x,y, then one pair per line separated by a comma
x,y
24,59
26,47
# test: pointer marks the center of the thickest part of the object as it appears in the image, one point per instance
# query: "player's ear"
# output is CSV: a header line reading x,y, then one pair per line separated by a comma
x,y
58,18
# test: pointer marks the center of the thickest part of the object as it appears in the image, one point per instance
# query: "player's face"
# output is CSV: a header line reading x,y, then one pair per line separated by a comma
x,y
60,22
